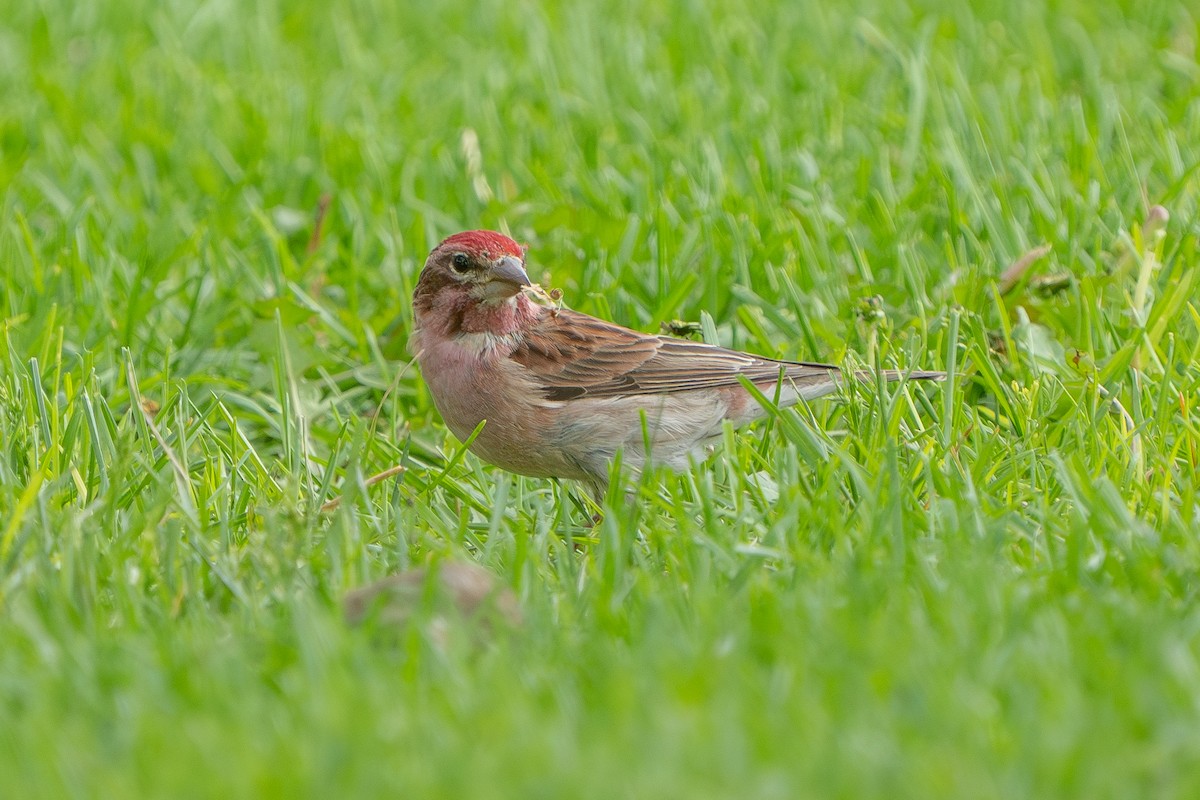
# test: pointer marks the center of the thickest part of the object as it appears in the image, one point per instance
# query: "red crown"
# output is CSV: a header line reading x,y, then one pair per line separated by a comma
x,y
486,244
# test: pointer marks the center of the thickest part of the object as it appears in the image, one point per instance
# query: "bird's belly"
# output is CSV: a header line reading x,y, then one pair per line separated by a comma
x,y
517,427
677,427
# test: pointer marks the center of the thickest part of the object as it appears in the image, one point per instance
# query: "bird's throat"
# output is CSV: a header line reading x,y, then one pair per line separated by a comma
x,y
508,316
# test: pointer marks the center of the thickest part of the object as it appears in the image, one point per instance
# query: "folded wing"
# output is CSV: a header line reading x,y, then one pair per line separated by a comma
x,y
572,355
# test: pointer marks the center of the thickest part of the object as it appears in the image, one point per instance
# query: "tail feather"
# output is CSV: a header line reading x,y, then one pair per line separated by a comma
x,y
901,375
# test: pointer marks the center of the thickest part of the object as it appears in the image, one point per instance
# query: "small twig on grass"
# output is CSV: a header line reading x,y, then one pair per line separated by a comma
x,y
369,482
314,241
1012,276
1050,284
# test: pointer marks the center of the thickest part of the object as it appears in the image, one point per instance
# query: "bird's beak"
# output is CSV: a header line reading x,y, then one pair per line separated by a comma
x,y
510,274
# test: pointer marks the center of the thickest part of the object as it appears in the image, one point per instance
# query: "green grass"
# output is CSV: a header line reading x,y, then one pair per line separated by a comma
x,y
984,588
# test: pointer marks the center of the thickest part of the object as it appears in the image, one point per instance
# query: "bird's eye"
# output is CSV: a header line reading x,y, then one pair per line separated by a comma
x,y
461,263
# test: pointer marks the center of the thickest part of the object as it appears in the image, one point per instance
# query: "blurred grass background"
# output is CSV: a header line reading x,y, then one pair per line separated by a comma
x,y
986,589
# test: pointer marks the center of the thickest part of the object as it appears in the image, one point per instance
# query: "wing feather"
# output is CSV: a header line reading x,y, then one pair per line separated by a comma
x,y
572,355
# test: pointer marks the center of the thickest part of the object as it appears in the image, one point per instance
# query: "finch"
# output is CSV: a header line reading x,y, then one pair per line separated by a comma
x,y
560,393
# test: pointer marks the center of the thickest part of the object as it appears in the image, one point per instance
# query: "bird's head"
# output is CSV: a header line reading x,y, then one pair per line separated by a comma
x,y
486,266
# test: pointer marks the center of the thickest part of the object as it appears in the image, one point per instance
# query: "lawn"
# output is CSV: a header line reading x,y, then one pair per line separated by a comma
x,y
213,217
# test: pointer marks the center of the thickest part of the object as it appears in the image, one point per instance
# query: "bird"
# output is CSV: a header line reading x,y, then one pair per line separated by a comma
x,y
560,393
